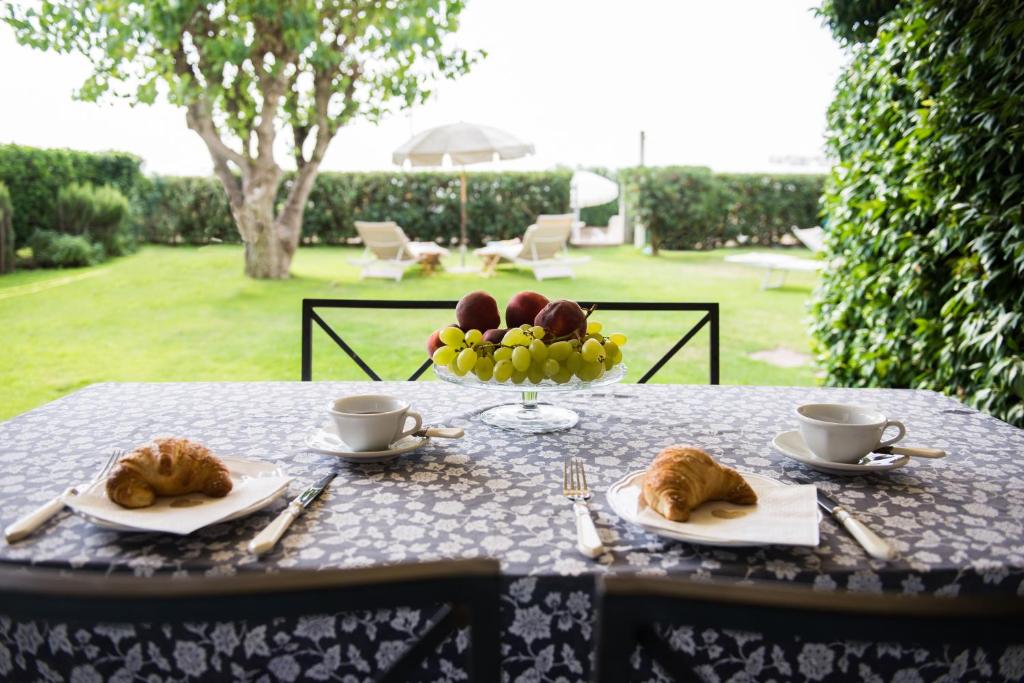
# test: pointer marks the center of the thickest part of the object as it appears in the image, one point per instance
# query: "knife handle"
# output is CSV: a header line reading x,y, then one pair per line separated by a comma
x,y
266,540
918,451
444,432
25,525
876,546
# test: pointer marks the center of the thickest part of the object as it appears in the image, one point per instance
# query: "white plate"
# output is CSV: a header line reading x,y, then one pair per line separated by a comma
x,y
240,470
757,481
326,440
791,444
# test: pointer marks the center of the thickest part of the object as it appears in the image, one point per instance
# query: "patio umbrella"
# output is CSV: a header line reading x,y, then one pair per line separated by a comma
x,y
463,143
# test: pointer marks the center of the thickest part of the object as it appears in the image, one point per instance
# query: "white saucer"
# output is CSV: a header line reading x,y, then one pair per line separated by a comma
x,y
791,444
326,440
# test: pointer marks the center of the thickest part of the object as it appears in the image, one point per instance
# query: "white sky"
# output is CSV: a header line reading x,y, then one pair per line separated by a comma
x,y
738,85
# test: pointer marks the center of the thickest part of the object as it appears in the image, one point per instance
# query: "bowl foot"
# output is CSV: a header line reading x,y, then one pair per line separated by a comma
x,y
535,418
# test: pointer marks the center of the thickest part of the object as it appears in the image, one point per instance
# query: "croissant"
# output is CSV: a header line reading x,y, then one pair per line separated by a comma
x,y
167,467
681,478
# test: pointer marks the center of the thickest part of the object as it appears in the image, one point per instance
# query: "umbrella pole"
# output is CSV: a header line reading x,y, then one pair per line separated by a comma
x,y
462,217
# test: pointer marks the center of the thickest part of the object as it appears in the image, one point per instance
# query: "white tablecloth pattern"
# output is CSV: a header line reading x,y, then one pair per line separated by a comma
x,y
958,522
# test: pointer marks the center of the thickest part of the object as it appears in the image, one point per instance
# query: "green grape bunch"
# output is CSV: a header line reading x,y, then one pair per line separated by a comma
x,y
572,345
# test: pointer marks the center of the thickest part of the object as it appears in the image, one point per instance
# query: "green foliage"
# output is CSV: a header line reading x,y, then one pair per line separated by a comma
x,y
426,205
6,231
185,210
599,215
926,225
692,208
855,21
36,176
97,213
766,207
55,250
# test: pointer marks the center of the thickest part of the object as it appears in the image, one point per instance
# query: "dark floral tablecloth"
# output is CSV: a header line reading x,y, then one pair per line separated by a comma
x,y
958,524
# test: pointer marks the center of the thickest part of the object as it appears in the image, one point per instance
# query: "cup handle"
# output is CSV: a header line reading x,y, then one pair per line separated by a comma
x,y
898,425
419,423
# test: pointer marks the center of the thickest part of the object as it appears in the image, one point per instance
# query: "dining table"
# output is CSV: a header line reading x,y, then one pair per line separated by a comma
x,y
957,524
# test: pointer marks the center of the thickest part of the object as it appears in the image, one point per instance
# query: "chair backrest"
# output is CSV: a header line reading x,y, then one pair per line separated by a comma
x,y
385,240
812,238
632,609
464,593
547,237
310,316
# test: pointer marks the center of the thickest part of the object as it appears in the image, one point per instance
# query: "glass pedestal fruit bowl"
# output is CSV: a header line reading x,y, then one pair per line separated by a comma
x,y
529,414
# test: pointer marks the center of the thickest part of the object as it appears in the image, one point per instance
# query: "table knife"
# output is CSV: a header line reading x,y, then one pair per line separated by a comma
x,y
913,451
876,546
268,538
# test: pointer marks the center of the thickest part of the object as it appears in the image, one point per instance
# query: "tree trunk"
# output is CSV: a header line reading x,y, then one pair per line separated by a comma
x,y
269,246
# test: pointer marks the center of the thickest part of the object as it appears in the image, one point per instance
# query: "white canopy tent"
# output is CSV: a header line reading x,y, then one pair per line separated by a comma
x,y
590,189
462,143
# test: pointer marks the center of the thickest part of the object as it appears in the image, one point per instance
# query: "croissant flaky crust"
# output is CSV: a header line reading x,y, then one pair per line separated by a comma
x,y
167,467
681,478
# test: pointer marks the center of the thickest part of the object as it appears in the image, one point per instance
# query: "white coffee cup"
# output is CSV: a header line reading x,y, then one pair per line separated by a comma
x,y
840,432
372,422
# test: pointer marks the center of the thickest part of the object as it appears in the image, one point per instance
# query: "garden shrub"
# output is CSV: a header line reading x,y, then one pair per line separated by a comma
x,y
35,176
925,207
682,207
426,205
98,213
766,207
184,210
6,231
693,208
56,250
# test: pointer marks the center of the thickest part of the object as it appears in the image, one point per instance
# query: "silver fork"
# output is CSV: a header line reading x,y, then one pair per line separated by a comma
x,y
25,525
574,486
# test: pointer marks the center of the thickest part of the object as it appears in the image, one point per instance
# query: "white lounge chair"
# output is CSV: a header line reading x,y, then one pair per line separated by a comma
x,y
775,263
389,252
543,249
813,238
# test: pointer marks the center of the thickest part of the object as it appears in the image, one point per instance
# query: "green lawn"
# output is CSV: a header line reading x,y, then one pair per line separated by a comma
x,y
172,314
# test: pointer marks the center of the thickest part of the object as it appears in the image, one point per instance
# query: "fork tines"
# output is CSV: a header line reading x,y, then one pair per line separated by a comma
x,y
574,478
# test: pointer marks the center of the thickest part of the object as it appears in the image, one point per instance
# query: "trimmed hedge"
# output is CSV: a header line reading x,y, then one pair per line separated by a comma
x,y
6,231
685,207
500,206
926,206
35,176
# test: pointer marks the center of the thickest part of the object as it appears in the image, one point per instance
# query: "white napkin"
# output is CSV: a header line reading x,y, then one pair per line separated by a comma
x,y
161,516
783,515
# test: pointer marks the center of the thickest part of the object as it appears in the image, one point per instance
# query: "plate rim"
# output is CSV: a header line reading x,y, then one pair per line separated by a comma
x,y
696,538
828,466
365,455
276,470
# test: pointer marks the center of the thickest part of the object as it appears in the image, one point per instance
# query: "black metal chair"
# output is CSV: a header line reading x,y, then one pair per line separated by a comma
x,y
467,590
629,607
310,316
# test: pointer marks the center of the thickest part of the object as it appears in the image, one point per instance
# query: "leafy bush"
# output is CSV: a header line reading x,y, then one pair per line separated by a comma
x,y
926,208
35,176
682,207
98,213
766,207
55,250
692,208
6,231
185,210
426,205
